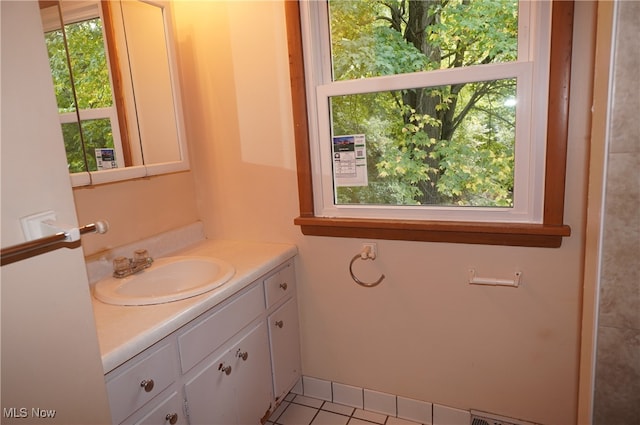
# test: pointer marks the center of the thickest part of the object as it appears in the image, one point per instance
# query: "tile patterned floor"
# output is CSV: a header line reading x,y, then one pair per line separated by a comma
x,y
302,410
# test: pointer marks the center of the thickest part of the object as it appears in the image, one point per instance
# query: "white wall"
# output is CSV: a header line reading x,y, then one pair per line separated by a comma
x,y
50,355
424,332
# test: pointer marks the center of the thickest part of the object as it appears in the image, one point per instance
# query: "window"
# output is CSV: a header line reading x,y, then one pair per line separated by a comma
x,y
447,141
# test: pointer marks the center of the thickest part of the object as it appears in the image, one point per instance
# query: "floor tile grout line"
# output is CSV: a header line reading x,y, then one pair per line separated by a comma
x,y
314,416
282,413
351,415
320,408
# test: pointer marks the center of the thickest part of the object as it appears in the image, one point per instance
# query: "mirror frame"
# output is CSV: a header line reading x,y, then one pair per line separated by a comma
x,y
90,178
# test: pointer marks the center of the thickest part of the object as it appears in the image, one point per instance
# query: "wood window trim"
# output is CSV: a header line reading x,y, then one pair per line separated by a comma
x,y
117,82
548,234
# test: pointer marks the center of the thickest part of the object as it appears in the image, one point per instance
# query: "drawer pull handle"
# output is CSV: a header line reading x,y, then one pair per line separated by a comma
x,y
172,418
280,324
284,286
224,369
147,384
244,355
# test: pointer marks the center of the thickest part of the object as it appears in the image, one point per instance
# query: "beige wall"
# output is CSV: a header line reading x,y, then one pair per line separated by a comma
x,y
237,108
136,209
424,332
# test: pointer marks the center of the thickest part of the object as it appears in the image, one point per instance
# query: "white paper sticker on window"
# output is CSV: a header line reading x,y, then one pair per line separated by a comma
x,y
350,160
106,158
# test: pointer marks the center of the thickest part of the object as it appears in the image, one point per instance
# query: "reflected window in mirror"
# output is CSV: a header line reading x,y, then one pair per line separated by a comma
x,y
83,74
114,69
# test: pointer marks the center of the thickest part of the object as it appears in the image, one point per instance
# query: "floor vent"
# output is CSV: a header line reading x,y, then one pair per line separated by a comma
x,y
483,418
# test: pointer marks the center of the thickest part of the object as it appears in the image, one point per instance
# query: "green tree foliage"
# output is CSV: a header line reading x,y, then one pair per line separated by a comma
x,y
447,145
86,86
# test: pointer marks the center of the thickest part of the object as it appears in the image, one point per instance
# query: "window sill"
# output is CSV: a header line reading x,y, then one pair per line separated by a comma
x,y
509,234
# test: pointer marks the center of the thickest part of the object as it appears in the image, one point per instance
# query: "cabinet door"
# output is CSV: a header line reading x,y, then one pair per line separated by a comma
x,y
253,391
210,395
285,347
234,388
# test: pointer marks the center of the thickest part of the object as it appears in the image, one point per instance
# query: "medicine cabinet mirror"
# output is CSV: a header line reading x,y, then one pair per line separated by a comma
x,y
116,83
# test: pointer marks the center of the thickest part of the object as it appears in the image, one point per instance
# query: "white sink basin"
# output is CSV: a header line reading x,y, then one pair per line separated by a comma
x,y
168,279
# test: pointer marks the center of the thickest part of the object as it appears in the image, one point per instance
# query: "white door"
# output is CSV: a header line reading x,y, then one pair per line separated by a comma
x,y
51,364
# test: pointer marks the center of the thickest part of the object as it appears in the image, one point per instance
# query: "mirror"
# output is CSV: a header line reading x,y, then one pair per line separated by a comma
x,y
116,84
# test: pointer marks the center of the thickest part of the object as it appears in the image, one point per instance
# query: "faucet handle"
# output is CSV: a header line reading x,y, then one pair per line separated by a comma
x,y
141,256
121,265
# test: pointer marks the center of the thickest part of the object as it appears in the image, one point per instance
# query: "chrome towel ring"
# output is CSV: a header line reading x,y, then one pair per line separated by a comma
x,y
365,254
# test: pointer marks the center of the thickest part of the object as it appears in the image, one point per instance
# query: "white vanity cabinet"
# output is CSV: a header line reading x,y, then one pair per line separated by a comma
x,y
231,365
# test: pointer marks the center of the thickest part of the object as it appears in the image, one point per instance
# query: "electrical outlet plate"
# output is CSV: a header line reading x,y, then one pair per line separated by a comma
x,y
373,249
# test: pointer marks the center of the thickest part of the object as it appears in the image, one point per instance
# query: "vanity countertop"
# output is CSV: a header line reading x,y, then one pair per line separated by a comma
x,y
124,331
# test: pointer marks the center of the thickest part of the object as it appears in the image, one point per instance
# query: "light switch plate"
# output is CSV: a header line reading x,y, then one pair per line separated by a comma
x,y
32,224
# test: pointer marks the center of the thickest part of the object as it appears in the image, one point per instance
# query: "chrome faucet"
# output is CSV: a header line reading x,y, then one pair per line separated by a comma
x,y
123,266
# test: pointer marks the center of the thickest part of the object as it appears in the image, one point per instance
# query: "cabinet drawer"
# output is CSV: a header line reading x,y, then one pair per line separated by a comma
x,y
133,386
204,338
280,284
164,413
